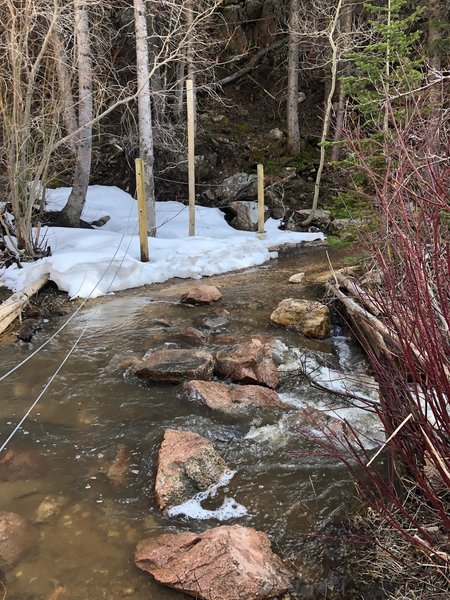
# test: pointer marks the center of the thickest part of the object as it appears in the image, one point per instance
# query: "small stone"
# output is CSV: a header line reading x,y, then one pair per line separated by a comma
x,y
215,322
201,294
297,278
276,134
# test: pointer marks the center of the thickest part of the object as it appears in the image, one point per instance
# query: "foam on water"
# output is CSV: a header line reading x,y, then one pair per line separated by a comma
x,y
192,508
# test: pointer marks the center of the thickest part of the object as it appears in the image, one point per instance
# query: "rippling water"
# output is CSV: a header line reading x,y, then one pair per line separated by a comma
x,y
92,407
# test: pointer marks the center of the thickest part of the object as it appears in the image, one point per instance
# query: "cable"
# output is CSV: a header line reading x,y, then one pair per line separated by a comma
x,y
50,381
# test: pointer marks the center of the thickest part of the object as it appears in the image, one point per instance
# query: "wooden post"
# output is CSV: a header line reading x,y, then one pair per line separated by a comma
x,y
260,171
191,153
142,209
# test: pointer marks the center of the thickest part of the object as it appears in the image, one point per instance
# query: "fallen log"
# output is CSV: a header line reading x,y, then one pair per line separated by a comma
x,y
383,340
12,308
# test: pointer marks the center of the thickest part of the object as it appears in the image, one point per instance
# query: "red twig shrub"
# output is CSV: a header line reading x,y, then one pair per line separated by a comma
x,y
411,255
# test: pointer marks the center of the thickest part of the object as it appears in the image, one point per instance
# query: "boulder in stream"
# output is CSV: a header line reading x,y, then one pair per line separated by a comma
x,y
16,536
175,365
250,361
308,317
22,463
187,464
232,399
226,562
201,294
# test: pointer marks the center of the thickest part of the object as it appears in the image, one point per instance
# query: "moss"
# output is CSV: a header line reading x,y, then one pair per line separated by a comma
x,y
336,242
57,182
347,205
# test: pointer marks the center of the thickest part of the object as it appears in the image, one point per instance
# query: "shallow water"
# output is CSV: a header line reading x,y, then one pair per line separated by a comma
x,y
91,408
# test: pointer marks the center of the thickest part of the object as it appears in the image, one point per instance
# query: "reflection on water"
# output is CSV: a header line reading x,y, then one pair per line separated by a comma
x,y
88,534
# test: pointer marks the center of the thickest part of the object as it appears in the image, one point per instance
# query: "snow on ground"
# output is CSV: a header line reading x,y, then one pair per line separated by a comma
x,y
91,263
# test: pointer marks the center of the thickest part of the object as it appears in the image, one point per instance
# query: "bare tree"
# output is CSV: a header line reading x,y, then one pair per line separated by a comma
x,y
329,33
293,130
71,213
346,30
30,110
145,110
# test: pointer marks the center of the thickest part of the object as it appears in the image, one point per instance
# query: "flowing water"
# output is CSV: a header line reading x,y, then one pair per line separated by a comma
x,y
86,550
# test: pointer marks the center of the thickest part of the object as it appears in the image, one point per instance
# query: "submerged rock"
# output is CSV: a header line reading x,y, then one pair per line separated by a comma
x,y
174,365
232,399
226,562
250,361
118,471
308,317
201,294
49,509
187,464
16,536
22,464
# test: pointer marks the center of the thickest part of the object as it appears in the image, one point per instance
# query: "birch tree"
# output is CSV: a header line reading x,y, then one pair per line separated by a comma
x,y
145,110
71,213
293,130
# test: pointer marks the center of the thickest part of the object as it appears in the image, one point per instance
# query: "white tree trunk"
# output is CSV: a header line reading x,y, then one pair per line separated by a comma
x,y
65,88
144,110
328,109
190,53
293,129
346,29
71,214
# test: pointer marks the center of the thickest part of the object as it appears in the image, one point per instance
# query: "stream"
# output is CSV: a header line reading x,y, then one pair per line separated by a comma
x,y
86,548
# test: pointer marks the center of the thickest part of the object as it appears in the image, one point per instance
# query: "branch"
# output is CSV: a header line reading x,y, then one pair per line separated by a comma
x,y
252,62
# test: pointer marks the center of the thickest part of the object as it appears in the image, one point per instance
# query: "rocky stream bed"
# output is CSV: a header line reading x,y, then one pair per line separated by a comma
x,y
178,439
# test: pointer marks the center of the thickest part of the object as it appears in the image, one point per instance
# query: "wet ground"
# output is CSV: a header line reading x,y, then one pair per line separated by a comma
x,y
86,550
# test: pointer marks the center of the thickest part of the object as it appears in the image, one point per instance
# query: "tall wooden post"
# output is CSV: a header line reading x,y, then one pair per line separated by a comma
x,y
260,171
142,209
191,153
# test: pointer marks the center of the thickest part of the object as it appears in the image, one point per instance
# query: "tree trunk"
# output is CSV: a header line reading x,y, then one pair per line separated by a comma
x,y
71,213
65,89
434,61
190,53
293,142
346,28
328,109
144,110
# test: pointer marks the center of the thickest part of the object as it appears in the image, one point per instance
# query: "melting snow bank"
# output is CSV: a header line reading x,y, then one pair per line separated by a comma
x,y
91,263
193,509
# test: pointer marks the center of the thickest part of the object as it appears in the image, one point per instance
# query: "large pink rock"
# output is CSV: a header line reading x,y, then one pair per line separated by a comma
x,y
231,399
250,361
16,536
227,562
187,464
175,365
201,294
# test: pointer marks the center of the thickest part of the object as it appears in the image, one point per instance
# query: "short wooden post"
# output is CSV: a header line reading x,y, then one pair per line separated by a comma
x,y
142,209
191,153
260,171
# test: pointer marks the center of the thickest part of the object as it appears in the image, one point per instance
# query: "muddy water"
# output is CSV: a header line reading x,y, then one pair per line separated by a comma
x,y
91,408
